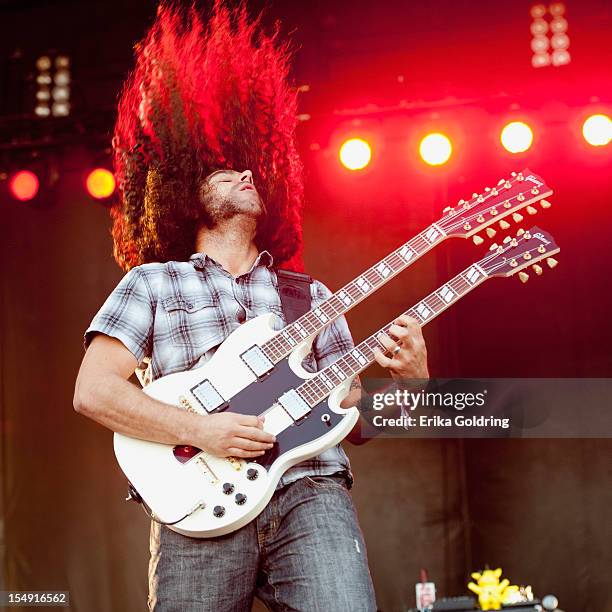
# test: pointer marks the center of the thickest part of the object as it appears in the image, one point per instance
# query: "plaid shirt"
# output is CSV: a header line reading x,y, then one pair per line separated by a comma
x,y
172,317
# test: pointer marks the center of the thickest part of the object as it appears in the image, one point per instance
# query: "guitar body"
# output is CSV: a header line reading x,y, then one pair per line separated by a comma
x,y
175,480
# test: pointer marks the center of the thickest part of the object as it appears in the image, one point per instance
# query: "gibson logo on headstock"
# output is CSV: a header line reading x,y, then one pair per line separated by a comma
x,y
533,179
541,238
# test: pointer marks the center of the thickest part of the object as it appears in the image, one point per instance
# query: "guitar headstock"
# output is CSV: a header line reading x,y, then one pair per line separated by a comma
x,y
508,197
527,249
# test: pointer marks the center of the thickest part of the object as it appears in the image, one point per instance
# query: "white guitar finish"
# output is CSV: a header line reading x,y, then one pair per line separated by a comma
x,y
173,489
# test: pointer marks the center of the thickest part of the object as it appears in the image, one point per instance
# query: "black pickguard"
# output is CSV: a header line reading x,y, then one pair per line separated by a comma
x,y
259,396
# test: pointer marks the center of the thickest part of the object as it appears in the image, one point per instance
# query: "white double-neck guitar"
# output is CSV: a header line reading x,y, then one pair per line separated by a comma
x,y
257,371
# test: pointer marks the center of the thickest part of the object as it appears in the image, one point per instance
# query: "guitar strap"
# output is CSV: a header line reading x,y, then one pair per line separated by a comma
x,y
294,291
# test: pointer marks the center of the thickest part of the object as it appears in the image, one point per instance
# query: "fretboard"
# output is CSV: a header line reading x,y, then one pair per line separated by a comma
x,y
311,323
317,388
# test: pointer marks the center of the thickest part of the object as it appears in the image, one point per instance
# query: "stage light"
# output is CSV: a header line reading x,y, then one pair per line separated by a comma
x,y
24,185
355,154
516,137
597,130
100,183
53,94
559,40
435,149
43,63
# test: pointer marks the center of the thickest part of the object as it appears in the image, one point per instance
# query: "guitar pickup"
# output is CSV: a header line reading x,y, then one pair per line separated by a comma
x,y
208,396
293,403
256,360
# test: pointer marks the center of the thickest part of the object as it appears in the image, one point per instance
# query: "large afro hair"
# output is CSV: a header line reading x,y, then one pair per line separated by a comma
x,y
206,93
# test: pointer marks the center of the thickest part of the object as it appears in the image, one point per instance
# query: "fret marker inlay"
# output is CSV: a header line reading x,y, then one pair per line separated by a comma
x,y
359,356
301,330
472,275
345,297
432,234
406,252
383,269
289,339
338,372
363,284
423,311
446,293
321,315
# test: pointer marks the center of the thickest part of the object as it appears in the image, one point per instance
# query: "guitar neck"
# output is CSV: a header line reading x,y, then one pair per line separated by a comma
x,y
311,323
317,388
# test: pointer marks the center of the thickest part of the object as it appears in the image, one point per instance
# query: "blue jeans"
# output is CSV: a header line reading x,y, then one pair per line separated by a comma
x,y
304,552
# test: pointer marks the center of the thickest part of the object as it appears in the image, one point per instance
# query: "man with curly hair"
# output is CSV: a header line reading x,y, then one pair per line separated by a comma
x,y
211,194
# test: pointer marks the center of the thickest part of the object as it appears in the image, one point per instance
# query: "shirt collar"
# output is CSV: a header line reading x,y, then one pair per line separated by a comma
x,y
200,260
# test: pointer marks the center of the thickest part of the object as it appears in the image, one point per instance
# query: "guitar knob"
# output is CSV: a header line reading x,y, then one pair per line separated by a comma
x,y
252,473
240,498
218,511
228,488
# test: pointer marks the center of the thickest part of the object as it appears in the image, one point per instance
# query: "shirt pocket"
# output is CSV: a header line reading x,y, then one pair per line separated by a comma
x,y
194,322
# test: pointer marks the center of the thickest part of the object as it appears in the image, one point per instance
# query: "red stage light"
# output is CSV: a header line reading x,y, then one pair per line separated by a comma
x,y
516,137
24,185
435,149
597,130
355,154
100,183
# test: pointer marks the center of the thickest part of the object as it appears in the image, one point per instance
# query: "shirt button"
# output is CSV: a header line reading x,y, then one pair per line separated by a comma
x,y
190,306
241,316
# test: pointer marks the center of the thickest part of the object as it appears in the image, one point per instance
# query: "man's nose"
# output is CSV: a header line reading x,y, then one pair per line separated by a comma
x,y
247,175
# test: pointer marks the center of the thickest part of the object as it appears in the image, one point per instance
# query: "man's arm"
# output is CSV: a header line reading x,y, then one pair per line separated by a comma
x,y
103,393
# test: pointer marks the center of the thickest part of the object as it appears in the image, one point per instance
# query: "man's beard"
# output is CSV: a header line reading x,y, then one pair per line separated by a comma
x,y
215,210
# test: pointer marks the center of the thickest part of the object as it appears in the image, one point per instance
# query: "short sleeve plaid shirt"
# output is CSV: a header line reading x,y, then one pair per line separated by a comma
x,y
172,317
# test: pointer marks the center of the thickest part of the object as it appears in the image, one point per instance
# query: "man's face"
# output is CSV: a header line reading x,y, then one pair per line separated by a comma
x,y
227,193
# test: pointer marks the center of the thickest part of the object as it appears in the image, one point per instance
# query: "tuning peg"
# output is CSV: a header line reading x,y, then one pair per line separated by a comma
x,y
520,232
504,224
545,204
523,276
447,209
507,239
493,246
531,210
491,232
552,262
477,239
537,269
517,217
